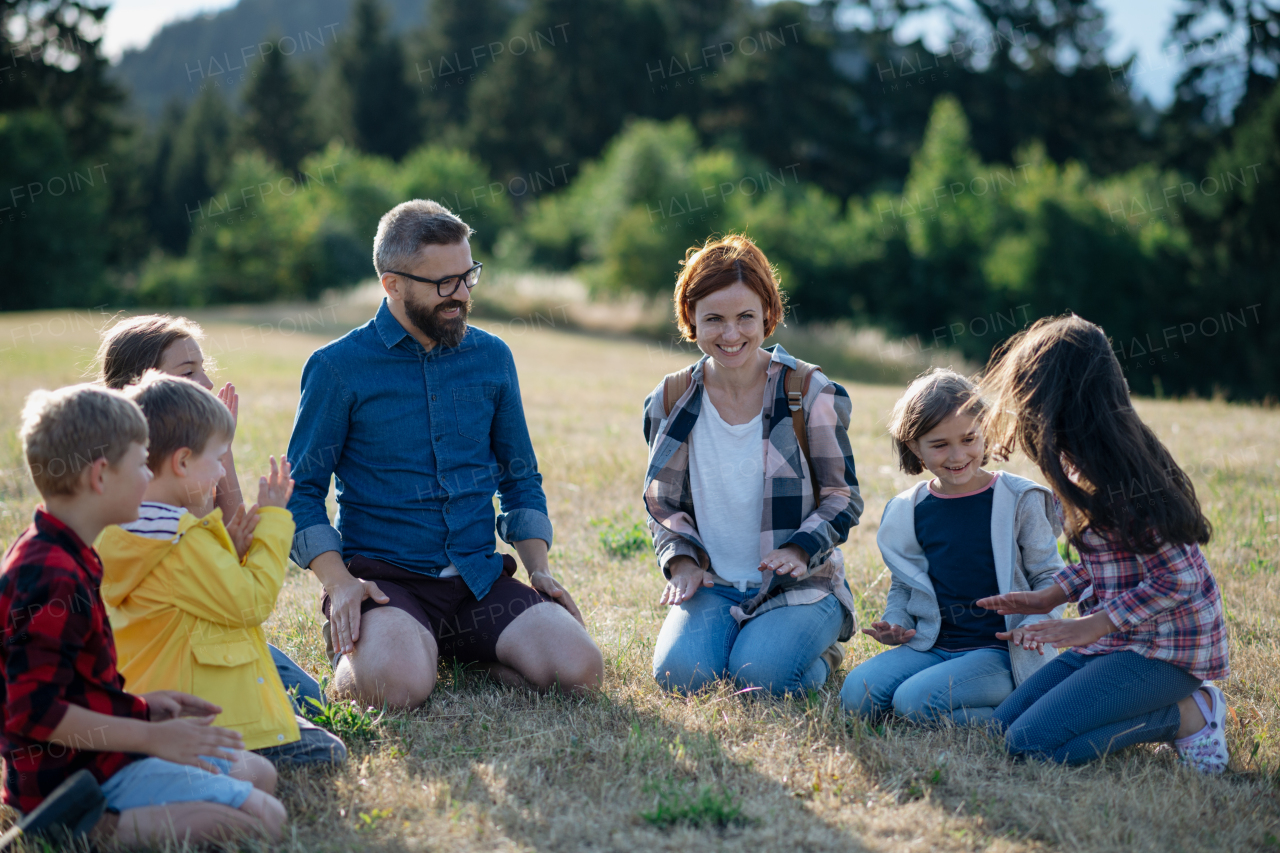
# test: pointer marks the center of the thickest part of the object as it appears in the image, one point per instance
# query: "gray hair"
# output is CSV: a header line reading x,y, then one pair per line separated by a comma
x,y
408,227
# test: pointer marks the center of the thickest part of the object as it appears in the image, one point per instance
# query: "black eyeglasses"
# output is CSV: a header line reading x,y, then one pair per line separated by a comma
x,y
448,285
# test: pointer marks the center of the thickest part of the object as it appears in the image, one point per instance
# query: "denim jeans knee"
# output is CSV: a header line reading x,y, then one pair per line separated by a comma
x,y
677,676
919,702
865,698
1022,741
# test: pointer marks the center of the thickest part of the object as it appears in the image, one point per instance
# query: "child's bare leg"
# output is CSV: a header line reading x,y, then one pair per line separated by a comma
x,y
1192,719
199,822
266,809
255,769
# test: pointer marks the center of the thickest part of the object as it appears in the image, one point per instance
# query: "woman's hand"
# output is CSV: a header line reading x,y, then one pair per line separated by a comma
x,y
787,560
1066,633
687,577
231,400
1027,603
1020,637
888,634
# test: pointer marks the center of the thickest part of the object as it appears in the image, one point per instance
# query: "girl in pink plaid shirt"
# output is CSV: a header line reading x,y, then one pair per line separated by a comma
x,y
1151,631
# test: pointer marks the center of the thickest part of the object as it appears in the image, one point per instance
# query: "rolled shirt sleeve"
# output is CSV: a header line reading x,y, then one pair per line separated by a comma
x,y
1074,580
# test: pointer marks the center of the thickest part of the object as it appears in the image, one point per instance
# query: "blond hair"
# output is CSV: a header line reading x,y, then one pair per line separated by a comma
x,y
928,401
65,431
135,345
179,414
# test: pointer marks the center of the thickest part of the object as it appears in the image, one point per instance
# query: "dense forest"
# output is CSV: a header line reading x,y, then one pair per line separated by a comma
x,y
944,195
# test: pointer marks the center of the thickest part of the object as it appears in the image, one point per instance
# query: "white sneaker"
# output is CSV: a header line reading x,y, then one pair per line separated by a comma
x,y
1206,750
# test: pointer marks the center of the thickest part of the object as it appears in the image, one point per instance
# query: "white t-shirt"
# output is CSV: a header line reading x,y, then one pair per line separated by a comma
x,y
726,475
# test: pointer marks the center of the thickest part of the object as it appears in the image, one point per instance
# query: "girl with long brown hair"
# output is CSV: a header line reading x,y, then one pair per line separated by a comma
x,y
1152,629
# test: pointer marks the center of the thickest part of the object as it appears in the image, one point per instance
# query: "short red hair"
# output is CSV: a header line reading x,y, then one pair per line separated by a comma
x,y
722,263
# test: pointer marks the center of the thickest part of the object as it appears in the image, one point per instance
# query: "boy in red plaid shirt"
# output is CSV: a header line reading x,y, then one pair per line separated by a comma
x,y
63,707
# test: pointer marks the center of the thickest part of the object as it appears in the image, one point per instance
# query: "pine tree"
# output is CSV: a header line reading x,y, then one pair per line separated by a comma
x,y
458,49
276,118
383,104
198,162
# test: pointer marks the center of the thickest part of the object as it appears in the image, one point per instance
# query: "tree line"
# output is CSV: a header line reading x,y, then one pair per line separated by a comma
x,y
928,191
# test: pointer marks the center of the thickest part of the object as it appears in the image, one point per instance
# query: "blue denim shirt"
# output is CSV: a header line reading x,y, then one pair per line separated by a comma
x,y
418,443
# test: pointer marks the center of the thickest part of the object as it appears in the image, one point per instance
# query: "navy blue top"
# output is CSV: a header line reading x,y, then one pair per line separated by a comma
x,y
417,443
955,533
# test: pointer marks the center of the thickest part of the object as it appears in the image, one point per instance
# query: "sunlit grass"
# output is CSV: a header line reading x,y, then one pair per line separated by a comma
x,y
486,768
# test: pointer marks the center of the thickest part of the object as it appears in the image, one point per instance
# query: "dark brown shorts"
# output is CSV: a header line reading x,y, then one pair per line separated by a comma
x,y
464,628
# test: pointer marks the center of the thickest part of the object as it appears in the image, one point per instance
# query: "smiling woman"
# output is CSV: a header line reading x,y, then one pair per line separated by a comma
x,y
747,518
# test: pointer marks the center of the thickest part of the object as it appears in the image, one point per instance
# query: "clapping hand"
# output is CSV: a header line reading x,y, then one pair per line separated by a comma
x,y
240,528
888,634
1020,637
687,577
787,560
1068,633
189,739
231,400
170,705
275,489
1026,603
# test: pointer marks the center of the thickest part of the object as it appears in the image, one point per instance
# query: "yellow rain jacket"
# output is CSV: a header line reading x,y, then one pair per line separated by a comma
x,y
187,615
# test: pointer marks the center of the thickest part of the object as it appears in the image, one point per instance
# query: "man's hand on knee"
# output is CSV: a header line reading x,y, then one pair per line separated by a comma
x,y
346,594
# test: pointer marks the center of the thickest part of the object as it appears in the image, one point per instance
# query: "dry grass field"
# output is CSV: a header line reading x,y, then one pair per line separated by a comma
x,y
481,767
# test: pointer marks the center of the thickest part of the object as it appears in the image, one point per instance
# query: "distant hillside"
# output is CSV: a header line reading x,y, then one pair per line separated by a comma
x,y
223,47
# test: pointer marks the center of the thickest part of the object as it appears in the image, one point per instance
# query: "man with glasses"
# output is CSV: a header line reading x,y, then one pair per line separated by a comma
x,y
417,416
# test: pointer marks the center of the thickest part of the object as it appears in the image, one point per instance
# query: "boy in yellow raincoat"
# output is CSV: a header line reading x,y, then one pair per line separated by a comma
x,y
187,596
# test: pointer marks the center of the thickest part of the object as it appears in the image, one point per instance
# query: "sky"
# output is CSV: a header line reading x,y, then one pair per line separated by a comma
x,y
1139,26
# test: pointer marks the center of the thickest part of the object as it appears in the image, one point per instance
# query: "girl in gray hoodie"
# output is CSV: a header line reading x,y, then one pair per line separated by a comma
x,y
965,534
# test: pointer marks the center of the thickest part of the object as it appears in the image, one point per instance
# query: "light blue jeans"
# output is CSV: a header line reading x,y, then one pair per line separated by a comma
x,y
927,686
778,650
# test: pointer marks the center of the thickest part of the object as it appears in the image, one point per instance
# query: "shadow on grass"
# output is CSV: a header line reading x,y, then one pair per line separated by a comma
x,y
488,767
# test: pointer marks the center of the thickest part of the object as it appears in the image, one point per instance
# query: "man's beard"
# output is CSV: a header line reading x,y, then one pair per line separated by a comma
x,y
446,333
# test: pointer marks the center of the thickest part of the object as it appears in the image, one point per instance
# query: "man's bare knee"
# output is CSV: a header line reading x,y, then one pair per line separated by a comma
x,y
586,672
394,662
549,648
392,688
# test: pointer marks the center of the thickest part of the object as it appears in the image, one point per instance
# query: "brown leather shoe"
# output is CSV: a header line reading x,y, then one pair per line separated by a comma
x,y
834,656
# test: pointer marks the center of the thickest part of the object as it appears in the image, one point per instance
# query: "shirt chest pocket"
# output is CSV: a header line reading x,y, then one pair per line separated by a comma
x,y
473,409
224,674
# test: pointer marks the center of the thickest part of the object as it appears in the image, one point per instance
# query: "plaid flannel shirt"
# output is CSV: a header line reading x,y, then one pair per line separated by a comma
x,y
57,651
1166,605
791,515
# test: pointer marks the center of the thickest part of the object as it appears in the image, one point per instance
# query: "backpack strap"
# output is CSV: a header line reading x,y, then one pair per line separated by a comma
x,y
797,385
674,386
